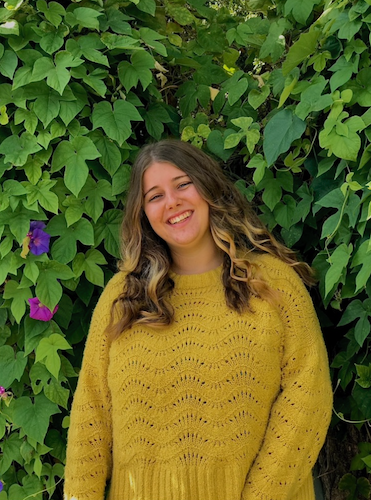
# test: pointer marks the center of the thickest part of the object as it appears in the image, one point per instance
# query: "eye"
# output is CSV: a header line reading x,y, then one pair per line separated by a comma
x,y
184,184
155,197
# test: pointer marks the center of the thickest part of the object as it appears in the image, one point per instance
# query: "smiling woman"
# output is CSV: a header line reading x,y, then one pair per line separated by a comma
x,y
205,375
180,216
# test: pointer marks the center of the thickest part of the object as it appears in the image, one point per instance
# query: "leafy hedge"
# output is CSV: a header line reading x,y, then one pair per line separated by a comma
x,y
282,97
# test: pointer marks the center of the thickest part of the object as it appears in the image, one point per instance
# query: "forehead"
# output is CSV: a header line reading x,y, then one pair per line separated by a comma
x,y
159,172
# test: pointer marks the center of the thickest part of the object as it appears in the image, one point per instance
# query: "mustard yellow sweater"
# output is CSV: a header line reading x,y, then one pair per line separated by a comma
x,y
217,406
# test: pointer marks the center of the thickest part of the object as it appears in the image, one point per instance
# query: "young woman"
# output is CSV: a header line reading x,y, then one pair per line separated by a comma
x,y
205,375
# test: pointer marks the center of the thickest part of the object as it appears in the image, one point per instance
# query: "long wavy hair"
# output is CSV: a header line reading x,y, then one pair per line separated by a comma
x,y
235,228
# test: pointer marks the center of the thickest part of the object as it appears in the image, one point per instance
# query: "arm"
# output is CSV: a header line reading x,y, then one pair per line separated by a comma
x,y
88,465
302,411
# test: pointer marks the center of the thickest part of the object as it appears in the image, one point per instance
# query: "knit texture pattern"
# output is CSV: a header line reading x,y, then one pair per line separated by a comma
x,y
217,406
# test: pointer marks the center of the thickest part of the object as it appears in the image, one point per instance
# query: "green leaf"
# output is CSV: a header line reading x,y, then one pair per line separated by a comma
x,y
32,487
28,117
362,258
53,12
257,97
85,17
116,122
274,45
180,14
47,352
93,79
33,329
154,119
362,398
69,109
121,179
11,446
332,199
356,487
362,329
364,374
95,192
119,42
12,365
117,21
58,79
343,146
58,450
18,221
73,156
9,28
88,46
39,376
272,188
343,71
232,140
75,209
47,107
51,42
300,10
150,38
237,90
34,417
284,212
281,131
361,88
107,230
259,164
54,391
8,64
139,70
16,149
19,298
312,99
301,49
148,6
89,264
338,261
349,29
42,194
191,94
64,248
48,289
215,144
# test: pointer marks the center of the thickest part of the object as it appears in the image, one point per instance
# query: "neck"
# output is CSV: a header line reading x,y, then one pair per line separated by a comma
x,y
194,263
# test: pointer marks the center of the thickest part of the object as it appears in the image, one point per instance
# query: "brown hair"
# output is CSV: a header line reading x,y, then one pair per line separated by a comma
x,y
235,228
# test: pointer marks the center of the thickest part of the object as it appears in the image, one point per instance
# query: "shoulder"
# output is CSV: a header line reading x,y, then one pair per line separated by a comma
x,y
277,273
293,299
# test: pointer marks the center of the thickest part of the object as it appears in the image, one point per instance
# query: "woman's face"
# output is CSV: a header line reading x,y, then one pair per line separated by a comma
x,y
175,209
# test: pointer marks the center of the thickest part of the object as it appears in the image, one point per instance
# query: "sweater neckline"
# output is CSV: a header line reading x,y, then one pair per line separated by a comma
x,y
188,281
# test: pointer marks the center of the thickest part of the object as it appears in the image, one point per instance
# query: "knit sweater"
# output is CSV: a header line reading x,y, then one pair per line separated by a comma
x,y
217,406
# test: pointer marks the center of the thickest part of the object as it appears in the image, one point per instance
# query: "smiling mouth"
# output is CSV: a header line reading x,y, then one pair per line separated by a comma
x,y
180,218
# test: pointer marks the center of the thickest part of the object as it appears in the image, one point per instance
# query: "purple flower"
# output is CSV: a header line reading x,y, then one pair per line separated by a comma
x,y
39,311
39,239
2,390
36,241
1,486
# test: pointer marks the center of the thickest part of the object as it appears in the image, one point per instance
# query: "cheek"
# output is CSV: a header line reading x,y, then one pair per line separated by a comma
x,y
152,215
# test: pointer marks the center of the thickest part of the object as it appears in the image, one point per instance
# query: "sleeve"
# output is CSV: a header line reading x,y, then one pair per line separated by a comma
x,y
301,413
88,462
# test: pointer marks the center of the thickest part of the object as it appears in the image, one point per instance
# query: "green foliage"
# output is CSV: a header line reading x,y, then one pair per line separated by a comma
x,y
281,96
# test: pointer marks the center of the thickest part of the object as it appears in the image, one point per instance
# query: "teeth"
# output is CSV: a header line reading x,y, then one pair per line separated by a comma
x,y
179,218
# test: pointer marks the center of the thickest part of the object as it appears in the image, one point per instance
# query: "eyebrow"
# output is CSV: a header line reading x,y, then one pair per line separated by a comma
x,y
172,180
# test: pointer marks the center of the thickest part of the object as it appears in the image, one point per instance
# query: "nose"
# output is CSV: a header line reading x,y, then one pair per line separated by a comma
x,y
172,199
